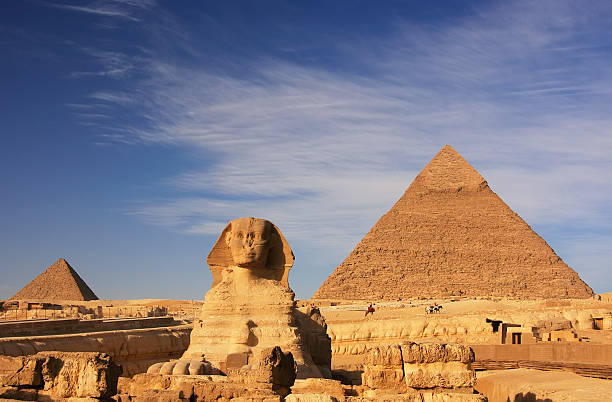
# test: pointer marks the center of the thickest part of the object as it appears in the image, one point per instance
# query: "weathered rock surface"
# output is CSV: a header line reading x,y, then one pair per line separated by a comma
x,y
384,369
271,367
58,375
450,234
418,366
436,352
268,379
310,398
317,386
135,350
58,282
22,371
353,337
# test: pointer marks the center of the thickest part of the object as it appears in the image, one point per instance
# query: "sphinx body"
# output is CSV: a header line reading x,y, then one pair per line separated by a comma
x,y
250,306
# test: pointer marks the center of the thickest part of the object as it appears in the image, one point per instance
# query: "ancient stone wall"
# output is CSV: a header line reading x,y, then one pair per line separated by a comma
x,y
353,338
71,326
418,366
135,349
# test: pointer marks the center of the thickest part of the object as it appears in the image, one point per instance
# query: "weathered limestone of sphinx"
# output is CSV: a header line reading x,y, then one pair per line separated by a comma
x,y
270,379
250,307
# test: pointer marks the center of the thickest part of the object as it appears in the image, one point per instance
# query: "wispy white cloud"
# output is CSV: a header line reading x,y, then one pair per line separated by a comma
x,y
96,11
326,153
110,64
118,98
122,9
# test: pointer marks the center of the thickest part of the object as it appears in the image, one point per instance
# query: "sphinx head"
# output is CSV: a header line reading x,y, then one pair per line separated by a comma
x,y
249,242
255,244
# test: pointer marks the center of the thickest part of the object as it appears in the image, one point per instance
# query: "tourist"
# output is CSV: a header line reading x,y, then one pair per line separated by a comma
x,y
370,310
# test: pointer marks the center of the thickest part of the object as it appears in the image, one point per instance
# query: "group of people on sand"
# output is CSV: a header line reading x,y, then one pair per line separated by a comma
x,y
435,308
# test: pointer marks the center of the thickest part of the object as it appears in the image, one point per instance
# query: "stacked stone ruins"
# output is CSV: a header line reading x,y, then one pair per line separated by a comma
x,y
58,376
451,235
59,282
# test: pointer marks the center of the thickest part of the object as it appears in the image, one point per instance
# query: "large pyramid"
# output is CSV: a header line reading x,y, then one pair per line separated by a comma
x,y
450,234
59,282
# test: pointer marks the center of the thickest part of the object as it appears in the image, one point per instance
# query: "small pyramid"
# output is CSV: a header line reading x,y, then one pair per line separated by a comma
x,y
450,234
58,282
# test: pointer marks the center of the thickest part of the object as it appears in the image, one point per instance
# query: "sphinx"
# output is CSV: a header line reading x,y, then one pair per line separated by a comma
x,y
250,307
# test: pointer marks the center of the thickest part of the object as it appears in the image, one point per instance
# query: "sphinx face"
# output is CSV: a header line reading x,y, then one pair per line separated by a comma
x,y
248,242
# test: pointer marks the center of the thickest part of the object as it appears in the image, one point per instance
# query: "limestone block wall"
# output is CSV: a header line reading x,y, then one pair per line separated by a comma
x,y
134,349
418,366
71,326
384,368
354,338
351,338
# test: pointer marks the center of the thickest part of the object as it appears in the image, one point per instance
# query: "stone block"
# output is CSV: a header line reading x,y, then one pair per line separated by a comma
x,y
390,355
62,374
310,398
272,366
21,371
451,397
80,374
438,375
311,386
436,352
236,360
384,377
156,395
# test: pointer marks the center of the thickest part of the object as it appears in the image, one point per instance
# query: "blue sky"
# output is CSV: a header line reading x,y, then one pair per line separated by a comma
x,y
134,130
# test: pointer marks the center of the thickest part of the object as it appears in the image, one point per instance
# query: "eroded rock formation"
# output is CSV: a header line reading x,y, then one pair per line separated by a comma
x,y
269,379
419,366
135,350
450,234
58,376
